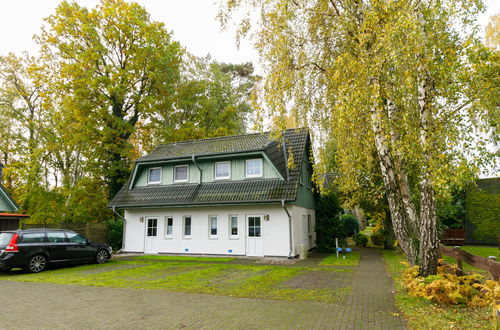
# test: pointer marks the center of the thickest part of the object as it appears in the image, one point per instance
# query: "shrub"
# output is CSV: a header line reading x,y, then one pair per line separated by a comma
x,y
360,239
328,224
114,234
378,238
445,288
351,224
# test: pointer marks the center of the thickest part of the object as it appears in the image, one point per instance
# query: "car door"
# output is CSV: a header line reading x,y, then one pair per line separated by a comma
x,y
79,249
57,246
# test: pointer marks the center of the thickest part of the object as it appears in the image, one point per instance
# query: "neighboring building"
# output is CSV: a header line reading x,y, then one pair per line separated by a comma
x,y
8,219
482,217
230,195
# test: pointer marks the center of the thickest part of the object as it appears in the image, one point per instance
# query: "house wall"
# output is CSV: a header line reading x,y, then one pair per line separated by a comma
x,y
275,234
208,171
303,231
5,205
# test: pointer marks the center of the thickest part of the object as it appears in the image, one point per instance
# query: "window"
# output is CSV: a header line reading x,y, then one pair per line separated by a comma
x,y
154,176
222,170
233,226
187,226
152,227
169,226
56,237
253,168
33,238
181,173
213,225
253,226
75,238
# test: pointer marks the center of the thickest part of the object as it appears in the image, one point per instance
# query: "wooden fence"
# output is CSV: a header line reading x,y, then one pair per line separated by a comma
x,y
93,231
488,264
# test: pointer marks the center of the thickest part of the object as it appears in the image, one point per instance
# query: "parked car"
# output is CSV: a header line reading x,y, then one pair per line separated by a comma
x,y
35,249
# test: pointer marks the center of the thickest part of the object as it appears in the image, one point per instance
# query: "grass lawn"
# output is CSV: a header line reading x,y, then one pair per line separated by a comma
x,y
185,258
482,251
351,259
197,276
422,314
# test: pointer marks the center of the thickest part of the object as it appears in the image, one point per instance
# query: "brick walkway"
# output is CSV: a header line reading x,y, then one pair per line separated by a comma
x,y
52,306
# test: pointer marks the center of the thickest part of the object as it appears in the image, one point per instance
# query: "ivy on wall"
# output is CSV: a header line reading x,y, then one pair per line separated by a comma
x,y
483,212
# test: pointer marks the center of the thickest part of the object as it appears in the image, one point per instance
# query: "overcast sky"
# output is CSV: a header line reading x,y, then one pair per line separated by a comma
x,y
191,21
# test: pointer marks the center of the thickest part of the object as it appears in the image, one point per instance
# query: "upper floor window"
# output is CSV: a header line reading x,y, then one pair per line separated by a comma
x,y
222,170
253,168
181,173
154,175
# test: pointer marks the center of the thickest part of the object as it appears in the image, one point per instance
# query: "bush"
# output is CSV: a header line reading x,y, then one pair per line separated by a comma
x,y
445,288
328,224
351,224
114,234
360,239
378,238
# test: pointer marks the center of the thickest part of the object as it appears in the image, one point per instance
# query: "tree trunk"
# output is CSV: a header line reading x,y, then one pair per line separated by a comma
x,y
402,227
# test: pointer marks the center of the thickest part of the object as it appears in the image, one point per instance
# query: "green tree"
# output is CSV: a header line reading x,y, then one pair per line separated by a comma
x,y
211,99
397,77
109,68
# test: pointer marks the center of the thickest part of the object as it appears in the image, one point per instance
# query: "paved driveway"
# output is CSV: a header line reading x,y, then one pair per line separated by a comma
x,y
28,305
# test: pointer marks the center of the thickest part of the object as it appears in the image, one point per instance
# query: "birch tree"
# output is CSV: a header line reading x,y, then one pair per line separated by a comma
x,y
397,77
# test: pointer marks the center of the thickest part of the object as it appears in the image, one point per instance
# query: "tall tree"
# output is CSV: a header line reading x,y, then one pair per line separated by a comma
x,y
396,77
211,99
114,67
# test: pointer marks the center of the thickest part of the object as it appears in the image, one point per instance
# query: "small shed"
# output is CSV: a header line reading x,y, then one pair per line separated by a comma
x,y
10,221
8,218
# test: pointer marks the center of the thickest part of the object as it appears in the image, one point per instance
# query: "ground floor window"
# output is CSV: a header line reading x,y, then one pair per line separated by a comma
x,y
233,223
152,226
187,226
213,226
169,226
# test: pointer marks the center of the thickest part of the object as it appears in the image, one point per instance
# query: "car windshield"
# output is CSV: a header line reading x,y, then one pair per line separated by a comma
x,y
5,239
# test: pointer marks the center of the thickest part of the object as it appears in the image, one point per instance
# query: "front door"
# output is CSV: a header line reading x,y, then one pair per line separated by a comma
x,y
254,236
150,243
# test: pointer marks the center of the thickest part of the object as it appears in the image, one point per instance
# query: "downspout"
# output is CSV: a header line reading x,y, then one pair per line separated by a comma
x,y
124,229
199,168
289,229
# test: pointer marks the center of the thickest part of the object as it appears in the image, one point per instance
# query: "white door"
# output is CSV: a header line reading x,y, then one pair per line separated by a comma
x,y
254,236
150,242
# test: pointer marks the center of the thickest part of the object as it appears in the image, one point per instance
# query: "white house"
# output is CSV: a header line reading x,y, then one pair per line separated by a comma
x,y
238,195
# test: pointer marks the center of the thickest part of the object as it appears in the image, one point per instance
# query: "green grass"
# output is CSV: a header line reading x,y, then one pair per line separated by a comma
x,y
351,259
482,251
185,258
255,281
422,314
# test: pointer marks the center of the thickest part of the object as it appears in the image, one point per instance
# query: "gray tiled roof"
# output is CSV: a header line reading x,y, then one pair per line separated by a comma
x,y
229,192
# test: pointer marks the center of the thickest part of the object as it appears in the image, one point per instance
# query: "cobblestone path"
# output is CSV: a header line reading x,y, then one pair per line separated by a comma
x,y
52,306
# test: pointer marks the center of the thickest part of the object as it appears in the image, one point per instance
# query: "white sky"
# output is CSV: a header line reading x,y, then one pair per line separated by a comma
x,y
191,21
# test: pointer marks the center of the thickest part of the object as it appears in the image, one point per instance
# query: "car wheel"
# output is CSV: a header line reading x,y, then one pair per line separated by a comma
x,y
101,256
37,263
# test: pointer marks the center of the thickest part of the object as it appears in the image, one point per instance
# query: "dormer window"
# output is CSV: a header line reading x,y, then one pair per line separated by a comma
x,y
253,168
154,175
181,173
222,170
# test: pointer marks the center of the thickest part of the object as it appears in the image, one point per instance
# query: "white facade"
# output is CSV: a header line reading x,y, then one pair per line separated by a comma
x,y
261,230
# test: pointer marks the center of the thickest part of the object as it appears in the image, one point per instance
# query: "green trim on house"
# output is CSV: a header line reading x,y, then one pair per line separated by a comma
x,y
7,204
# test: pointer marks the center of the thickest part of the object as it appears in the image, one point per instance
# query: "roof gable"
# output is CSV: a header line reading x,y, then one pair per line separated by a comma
x,y
294,144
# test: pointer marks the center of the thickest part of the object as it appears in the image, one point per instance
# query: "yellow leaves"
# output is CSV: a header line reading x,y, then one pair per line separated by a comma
x,y
446,288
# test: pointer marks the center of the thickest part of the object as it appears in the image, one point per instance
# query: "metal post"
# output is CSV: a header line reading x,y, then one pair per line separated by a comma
x,y
337,246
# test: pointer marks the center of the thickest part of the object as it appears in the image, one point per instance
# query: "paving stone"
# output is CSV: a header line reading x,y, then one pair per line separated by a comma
x,y
27,305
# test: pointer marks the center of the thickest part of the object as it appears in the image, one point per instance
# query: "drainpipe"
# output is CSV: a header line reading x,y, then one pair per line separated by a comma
x,y
199,168
289,229
124,229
